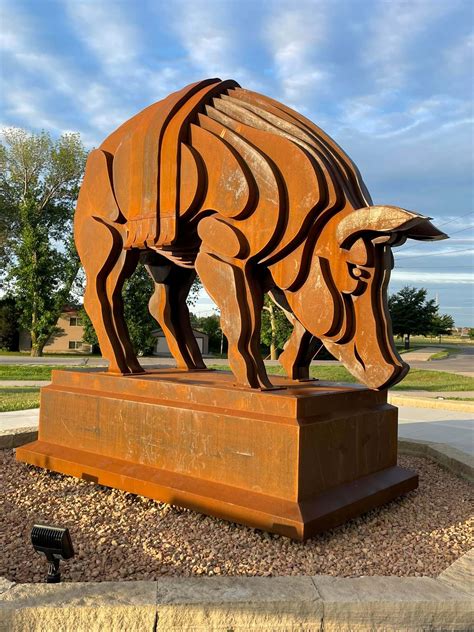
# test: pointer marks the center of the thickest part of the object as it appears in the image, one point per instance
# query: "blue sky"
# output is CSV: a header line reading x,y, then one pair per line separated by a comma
x,y
391,81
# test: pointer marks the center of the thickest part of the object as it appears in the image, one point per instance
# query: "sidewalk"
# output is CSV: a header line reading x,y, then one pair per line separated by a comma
x,y
453,428
19,419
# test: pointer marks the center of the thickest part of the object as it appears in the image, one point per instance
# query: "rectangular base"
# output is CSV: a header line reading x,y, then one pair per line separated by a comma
x,y
294,461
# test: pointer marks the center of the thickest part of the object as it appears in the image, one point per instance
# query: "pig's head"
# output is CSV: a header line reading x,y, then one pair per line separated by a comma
x,y
344,298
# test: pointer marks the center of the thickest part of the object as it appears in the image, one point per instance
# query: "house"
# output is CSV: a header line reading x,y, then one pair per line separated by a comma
x,y
67,340
69,337
161,346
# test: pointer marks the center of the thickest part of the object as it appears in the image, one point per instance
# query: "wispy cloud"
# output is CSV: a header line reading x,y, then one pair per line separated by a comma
x,y
392,35
460,57
295,35
108,32
208,32
390,80
424,277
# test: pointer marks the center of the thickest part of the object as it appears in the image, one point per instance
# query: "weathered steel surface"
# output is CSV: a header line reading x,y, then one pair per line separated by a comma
x,y
257,199
294,461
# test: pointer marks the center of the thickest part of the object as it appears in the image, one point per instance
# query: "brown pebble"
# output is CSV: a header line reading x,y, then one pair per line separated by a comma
x,y
119,536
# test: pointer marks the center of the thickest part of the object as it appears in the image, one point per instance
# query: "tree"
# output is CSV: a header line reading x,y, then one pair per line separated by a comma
x,y
442,325
275,329
9,335
471,333
411,313
211,326
39,183
136,294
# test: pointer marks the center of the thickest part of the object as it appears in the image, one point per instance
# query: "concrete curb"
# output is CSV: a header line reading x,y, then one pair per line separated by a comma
x,y
16,437
455,461
246,603
426,402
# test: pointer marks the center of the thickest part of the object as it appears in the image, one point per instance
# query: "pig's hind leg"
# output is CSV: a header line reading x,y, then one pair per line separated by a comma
x,y
99,233
107,265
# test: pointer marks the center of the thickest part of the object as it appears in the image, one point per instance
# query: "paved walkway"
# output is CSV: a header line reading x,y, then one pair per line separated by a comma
x,y
440,426
19,419
430,394
14,383
421,355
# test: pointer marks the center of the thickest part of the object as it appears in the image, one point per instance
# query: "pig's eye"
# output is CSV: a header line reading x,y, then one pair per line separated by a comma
x,y
358,273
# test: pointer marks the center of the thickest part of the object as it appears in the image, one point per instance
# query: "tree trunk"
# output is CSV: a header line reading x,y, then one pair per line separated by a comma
x,y
36,351
407,341
36,347
273,348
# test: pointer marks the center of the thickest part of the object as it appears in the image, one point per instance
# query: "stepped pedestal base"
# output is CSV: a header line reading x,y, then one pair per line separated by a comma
x,y
294,461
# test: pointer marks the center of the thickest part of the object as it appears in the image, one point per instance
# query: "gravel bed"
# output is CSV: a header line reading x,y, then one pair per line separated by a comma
x,y
119,536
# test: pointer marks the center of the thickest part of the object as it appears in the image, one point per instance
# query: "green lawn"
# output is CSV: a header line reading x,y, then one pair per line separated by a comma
x,y
29,372
18,398
422,341
445,353
26,354
416,380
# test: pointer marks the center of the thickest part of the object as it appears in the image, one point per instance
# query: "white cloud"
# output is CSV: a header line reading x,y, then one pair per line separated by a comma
x,y
107,31
25,104
295,34
460,58
392,33
213,45
98,102
425,277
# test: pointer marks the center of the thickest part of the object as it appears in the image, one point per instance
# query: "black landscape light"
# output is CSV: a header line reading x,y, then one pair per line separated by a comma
x,y
56,544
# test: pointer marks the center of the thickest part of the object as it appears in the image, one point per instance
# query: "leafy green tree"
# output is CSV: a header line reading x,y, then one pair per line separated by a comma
x,y
412,314
39,183
9,334
471,333
276,327
136,294
211,326
442,325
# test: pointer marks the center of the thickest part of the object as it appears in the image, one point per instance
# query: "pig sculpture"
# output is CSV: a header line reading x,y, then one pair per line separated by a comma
x,y
256,199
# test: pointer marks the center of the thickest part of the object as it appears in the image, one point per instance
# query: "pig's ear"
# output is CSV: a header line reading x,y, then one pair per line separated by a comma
x,y
386,223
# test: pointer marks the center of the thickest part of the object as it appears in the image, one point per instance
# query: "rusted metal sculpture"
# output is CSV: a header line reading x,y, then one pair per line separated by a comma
x,y
256,199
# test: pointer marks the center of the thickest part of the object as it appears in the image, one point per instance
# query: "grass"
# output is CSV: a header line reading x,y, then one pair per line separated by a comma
x,y
18,398
445,353
416,380
427,341
30,372
401,349
461,399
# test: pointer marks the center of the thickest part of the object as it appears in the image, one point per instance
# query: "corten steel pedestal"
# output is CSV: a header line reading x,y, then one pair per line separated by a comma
x,y
294,461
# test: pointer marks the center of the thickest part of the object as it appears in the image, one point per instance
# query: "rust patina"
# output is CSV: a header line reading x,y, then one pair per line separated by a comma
x,y
256,199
